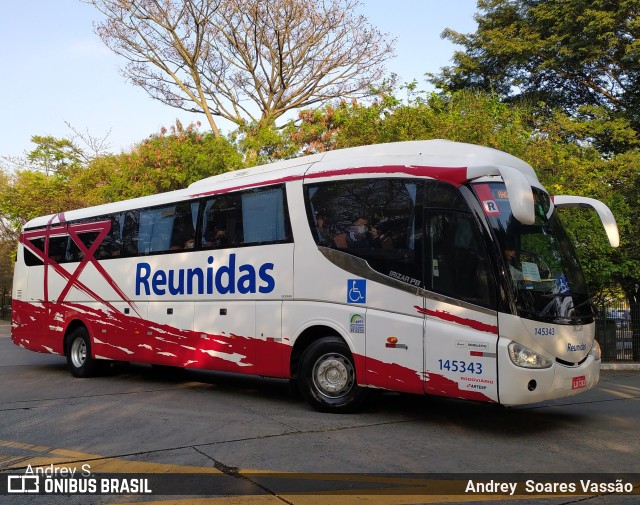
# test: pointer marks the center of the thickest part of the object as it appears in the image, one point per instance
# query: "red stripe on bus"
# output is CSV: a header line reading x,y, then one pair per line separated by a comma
x,y
471,323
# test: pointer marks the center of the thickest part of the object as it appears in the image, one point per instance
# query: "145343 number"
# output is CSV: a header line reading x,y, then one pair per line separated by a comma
x,y
456,365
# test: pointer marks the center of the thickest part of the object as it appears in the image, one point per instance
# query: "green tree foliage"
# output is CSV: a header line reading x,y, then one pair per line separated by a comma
x,y
8,238
54,156
7,249
30,194
56,179
263,144
472,117
170,160
566,53
43,184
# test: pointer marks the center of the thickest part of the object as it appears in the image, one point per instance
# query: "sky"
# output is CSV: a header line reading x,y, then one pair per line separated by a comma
x,y
57,71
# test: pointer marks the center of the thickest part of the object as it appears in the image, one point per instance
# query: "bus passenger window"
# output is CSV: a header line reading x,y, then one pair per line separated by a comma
x,y
58,248
263,216
221,222
183,235
130,233
163,229
111,246
30,258
87,238
373,219
253,217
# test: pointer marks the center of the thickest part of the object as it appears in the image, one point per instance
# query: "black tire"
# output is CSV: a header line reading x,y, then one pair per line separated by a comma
x,y
327,377
79,359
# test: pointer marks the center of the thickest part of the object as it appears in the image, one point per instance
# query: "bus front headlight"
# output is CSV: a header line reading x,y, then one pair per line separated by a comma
x,y
595,351
526,358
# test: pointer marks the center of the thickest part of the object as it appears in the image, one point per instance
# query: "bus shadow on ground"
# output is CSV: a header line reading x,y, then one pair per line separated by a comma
x,y
478,416
427,410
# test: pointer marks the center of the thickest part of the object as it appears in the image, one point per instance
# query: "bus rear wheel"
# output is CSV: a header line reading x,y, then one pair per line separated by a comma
x,y
79,359
327,377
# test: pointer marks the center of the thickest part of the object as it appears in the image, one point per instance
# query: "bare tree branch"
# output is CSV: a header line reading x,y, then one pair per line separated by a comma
x,y
245,60
96,145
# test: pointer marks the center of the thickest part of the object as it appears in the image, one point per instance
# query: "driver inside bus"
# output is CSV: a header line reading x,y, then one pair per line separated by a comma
x,y
510,255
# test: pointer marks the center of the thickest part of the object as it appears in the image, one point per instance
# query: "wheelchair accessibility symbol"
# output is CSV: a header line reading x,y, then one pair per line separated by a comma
x,y
356,291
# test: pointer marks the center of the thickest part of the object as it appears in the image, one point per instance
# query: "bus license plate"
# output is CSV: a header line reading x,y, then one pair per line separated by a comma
x,y
579,382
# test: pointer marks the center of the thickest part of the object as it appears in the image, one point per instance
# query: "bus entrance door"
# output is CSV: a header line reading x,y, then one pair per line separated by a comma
x,y
461,332
460,352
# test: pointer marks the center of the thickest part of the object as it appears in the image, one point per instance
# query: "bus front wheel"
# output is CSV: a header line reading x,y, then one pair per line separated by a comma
x,y
327,377
79,359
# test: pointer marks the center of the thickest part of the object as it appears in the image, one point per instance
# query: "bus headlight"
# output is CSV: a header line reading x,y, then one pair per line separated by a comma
x,y
526,358
595,351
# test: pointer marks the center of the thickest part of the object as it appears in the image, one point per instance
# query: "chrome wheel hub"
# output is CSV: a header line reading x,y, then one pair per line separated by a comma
x,y
78,352
333,375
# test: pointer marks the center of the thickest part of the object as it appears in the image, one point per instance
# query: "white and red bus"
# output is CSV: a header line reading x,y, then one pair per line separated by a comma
x,y
427,267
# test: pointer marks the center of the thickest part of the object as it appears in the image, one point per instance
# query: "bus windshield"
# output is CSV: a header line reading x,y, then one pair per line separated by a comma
x,y
545,276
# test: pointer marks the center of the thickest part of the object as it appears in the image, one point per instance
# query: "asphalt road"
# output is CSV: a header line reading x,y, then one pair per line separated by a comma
x,y
208,438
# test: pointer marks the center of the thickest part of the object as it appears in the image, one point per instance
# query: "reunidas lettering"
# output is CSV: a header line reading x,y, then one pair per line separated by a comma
x,y
223,279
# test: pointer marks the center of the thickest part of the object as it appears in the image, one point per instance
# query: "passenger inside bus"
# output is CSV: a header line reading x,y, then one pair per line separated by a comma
x,y
361,235
216,237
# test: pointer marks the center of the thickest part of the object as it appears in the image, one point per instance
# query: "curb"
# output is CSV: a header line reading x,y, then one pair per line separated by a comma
x,y
620,366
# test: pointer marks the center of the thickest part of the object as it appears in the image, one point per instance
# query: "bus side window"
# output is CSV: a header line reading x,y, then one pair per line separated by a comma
x,y
156,230
130,233
111,246
374,219
183,235
263,216
221,222
252,217
30,258
58,248
459,263
87,238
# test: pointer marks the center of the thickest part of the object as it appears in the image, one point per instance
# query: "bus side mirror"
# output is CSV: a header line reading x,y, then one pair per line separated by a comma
x,y
604,213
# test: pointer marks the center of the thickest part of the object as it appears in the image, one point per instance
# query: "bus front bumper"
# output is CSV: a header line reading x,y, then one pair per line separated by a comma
x,y
521,386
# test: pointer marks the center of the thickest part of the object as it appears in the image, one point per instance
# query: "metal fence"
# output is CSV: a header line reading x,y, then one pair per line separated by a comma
x,y
618,332
5,307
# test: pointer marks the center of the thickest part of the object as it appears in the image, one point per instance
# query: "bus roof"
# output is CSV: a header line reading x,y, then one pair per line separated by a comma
x,y
443,155
426,153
